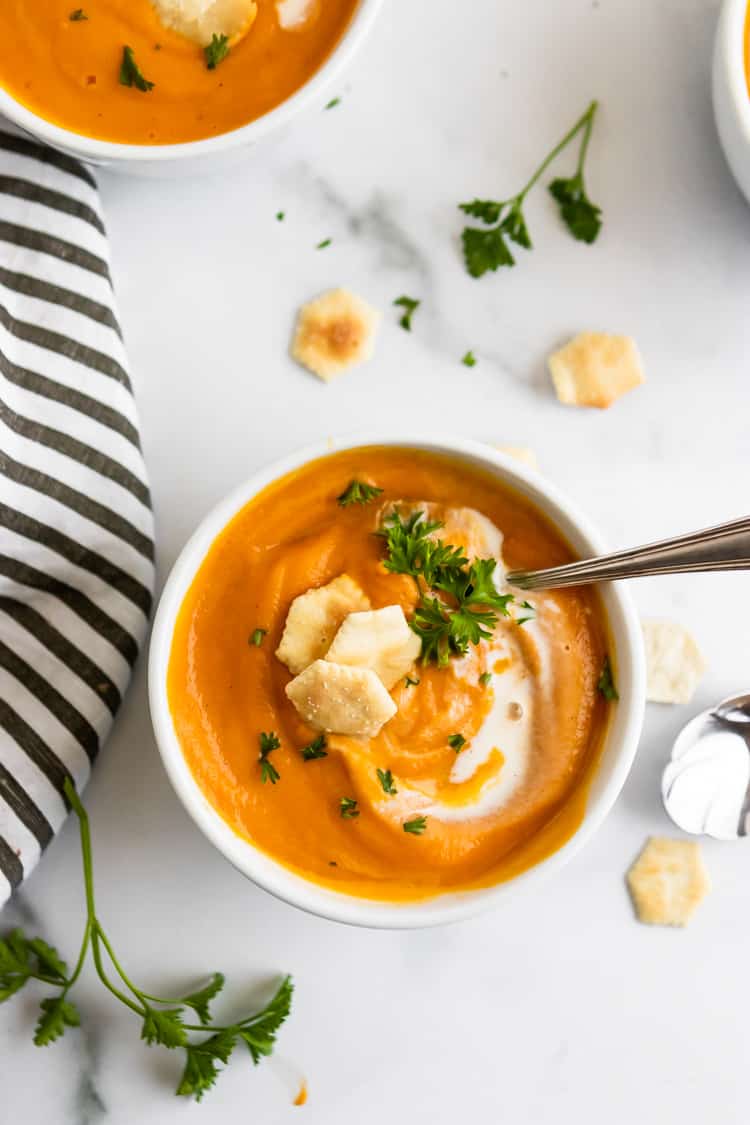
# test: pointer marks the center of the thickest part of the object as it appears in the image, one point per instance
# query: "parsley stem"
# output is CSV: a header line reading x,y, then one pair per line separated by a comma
x,y
81,958
94,932
95,936
586,136
586,120
101,936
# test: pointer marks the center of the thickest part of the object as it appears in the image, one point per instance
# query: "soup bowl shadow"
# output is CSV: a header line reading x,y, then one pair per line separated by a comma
x,y
621,737
212,154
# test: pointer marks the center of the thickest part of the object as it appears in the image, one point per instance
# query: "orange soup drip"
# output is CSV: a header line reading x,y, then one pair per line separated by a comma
x,y
68,71
301,1098
224,691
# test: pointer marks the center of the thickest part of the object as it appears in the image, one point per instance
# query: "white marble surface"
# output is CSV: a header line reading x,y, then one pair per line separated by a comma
x,y
561,1007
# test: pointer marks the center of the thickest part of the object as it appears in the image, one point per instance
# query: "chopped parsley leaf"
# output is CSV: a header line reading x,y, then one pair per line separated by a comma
x,y
528,616
256,637
415,826
315,749
469,360
410,306
485,678
385,777
410,682
268,741
77,16
348,808
606,684
457,742
216,51
280,216
358,492
130,74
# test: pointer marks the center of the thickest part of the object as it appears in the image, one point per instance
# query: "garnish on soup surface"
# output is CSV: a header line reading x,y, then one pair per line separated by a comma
x,y
438,704
215,65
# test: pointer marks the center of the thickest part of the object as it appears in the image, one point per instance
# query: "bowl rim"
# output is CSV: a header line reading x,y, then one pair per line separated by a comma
x,y
733,25
622,736
96,150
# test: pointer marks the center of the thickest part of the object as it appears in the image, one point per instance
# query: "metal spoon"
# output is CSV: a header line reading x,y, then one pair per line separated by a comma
x,y
725,547
706,784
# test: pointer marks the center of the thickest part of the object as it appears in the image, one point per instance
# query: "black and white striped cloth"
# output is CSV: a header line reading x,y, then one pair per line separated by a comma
x,y
76,531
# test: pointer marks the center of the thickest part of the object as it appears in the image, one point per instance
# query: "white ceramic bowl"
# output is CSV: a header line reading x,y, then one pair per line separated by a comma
x,y
621,739
214,152
730,92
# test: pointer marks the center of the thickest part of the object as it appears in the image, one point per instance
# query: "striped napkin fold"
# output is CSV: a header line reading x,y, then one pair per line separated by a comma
x,y
76,528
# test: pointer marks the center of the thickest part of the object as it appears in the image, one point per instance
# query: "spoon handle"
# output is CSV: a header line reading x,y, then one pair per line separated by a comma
x,y
725,547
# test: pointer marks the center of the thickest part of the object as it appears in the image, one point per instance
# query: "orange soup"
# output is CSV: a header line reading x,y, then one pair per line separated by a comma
x,y
68,69
322,732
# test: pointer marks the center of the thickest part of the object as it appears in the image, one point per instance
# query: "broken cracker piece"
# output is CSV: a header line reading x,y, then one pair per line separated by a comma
x,y
674,663
340,699
668,881
314,618
595,369
200,20
521,453
334,332
379,639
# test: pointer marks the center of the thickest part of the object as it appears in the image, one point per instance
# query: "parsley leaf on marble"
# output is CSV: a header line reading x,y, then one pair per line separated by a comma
x,y
385,777
130,73
322,245
333,103
315,749
165,1022
469,360
606,684
487,248
358,492
216,51
410,306
415,826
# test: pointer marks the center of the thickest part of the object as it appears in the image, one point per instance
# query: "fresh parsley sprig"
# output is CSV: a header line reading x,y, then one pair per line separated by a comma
x,y
488,249
166,1022
446,629
412,548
